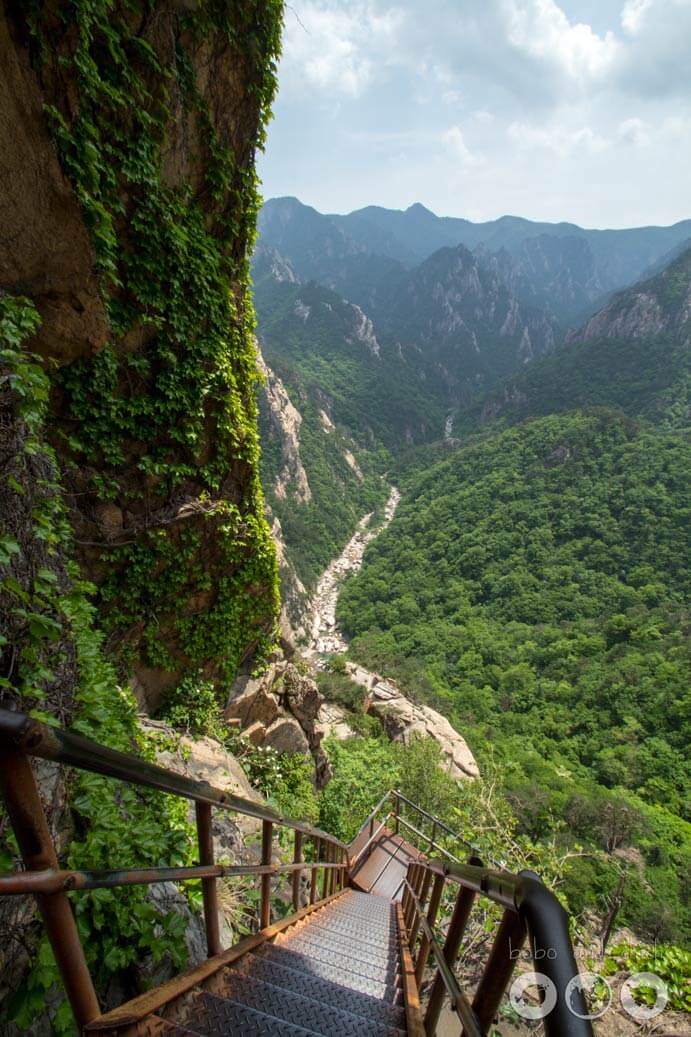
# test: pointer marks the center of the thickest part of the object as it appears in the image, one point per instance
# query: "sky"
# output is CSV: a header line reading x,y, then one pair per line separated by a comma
x,y
577,110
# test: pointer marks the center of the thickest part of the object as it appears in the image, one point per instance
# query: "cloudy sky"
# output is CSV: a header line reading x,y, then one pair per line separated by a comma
x,y
577,109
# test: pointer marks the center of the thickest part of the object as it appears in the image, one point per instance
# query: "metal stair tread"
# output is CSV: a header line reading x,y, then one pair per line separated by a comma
x,y
215,1016
384,958
385,969
353,1001
343,935
318,1015
356,981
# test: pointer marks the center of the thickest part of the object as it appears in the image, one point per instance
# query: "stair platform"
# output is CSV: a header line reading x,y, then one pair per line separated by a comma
x,y
382,868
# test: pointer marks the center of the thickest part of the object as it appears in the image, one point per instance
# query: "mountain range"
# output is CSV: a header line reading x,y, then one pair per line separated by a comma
x,y
383,335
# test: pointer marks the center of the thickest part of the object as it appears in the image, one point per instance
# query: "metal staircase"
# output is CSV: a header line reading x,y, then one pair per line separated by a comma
x,y
352,961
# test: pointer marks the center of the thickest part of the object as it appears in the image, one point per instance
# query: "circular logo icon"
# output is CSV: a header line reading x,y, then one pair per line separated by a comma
x,y
639,1011
596,993
536,1005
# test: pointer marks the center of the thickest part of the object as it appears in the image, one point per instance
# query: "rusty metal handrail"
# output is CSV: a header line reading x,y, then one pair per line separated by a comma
x,y
53,743
22,737
530,910
471,1027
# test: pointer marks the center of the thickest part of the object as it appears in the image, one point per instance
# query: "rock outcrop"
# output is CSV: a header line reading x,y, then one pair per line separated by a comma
x,y
657,306
280,710
286,419
404,720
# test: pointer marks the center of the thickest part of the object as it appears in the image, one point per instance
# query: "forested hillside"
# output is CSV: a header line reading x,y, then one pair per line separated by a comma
x,y
533,587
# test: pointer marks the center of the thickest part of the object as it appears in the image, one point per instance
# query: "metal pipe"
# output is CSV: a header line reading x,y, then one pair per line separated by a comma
x,y
434,901
325,874
426,838
30,827
23,883
53,743
297,858
412,884
265,906
550,945
205,839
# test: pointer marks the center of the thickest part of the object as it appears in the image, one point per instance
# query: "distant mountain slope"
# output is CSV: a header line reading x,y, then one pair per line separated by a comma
x,y
620,256
362,253
467,313
337,403
634,354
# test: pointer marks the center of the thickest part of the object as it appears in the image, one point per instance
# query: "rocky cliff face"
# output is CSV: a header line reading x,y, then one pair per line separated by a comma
x,y
126,223
659,306
280,710
464,312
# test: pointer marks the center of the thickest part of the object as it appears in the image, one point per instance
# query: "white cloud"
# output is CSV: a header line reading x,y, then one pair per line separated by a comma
x,y
334,49
634,13
541,29
518,98
635,131
558,139
454,139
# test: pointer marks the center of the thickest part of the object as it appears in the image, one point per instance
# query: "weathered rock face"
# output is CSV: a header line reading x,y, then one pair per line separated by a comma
x,y
404,720
153,404
659,305
45,251
280,709
286,420
237,838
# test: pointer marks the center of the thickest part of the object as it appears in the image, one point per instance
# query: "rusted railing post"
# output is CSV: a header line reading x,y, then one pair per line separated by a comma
x,y
434,901
413,880
396,811
30,827
433,836
459,920
297,859
405,899
267,838
502,961
327,875
209,889
315,865
422,897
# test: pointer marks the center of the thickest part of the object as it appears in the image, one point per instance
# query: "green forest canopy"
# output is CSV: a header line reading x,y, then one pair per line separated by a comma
x,y
532,586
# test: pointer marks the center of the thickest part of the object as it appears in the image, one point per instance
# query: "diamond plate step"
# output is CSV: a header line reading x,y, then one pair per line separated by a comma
x,y
361,936
375,966
215,1016
309,985
375,924
350,953
295,1008
374,986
